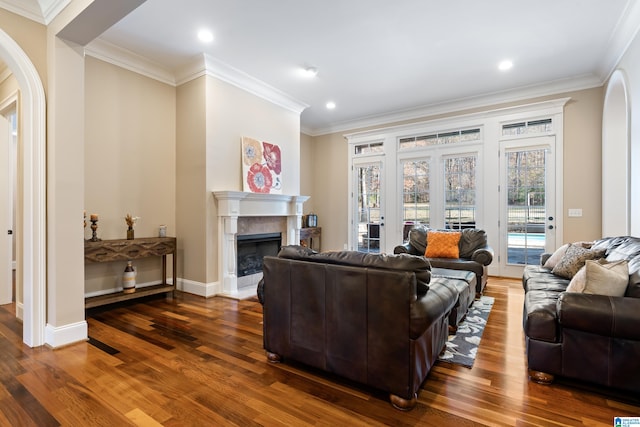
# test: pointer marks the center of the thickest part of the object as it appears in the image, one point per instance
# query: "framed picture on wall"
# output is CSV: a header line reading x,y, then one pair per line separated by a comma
x,y
261,166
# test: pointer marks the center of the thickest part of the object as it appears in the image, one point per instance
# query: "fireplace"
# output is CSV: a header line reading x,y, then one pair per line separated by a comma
x,y
241,214
252,248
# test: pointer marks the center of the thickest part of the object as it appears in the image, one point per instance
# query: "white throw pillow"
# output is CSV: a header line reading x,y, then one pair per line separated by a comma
x,y
556,257
607,279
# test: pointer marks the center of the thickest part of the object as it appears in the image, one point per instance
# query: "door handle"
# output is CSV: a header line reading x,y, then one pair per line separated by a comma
x,y
9,232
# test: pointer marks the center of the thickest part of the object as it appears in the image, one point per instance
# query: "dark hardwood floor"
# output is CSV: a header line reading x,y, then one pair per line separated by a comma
x,y
187,360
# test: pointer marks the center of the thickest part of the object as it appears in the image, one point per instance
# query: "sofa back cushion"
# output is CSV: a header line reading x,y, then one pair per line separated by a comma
x,y
400,262
471,239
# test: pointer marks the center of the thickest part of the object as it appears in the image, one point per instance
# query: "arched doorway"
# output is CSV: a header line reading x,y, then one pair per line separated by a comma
x,y
33,168
616,218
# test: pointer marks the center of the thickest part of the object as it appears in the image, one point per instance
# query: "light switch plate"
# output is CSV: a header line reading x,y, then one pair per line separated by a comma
x,y
575,212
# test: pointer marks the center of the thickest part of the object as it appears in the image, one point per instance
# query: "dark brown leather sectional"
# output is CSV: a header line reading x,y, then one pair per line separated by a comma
x,y
475,253
377,319
592,338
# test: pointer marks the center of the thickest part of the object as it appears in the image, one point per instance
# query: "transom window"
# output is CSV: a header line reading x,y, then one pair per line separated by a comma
x,y
527,127
440,138
369,148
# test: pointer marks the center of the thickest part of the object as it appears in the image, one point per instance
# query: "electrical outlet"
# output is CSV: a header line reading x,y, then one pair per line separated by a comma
x,y
575,212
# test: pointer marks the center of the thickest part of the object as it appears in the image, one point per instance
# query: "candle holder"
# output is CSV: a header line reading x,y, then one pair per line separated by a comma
x,y
94,227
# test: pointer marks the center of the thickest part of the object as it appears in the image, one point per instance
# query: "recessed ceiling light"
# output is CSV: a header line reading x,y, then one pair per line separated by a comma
x,y
309,72
331,105
205,36
505,65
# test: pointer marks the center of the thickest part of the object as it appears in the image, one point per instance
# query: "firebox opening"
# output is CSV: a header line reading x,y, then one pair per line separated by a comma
x,y
252,248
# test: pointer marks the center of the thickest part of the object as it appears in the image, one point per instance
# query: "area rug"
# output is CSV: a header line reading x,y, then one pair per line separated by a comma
x,y
463,346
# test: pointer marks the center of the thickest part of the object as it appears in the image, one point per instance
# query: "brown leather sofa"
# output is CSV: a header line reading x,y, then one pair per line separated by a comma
x,y
371,318
591,338
475,253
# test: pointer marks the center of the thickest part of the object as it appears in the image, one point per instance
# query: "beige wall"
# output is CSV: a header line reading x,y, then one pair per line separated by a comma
x,y
582,169
307,171
191,191
213,116
31,37
130,164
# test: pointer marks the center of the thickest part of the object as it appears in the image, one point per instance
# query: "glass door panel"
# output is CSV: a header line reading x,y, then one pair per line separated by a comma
x,y
415,195
460,192
370,219
526,206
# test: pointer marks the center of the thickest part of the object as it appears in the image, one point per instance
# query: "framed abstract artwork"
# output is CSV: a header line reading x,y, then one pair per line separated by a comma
x,y
261,167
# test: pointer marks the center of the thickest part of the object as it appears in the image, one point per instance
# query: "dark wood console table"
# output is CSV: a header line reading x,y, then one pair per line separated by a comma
x,y
307,236
125,250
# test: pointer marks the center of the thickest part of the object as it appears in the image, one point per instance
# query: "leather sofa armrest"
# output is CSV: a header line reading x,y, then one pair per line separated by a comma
x,y
483,255
406,249
544,257
402,249
615,317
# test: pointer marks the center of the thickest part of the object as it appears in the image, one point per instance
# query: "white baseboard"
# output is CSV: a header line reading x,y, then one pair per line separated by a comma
x,y
20,311
198,288
59,336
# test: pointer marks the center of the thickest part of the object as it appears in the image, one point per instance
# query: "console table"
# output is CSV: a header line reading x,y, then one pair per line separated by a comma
x,y
307,236
125,250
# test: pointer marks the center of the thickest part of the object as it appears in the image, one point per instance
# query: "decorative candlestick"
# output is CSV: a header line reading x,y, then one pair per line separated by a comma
x,y
94,227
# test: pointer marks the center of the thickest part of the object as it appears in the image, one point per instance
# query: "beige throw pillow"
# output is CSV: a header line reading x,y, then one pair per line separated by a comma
x,y
579,281
607,279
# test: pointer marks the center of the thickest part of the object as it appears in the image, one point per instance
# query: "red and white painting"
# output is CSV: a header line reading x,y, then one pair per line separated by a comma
x,y
261,166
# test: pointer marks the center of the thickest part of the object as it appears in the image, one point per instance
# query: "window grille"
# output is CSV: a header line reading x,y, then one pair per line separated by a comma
x,y
439,138
369,148
527,127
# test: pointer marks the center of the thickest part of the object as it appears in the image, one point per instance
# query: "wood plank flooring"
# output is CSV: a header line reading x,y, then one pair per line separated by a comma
x,y
190,361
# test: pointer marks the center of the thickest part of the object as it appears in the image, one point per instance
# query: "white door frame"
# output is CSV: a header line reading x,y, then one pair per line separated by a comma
x,y
6,205
33,227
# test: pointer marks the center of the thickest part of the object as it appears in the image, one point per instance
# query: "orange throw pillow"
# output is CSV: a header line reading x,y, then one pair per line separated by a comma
x,y
442,244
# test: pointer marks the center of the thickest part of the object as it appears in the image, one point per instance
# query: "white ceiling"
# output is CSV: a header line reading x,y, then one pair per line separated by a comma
x,y
382,60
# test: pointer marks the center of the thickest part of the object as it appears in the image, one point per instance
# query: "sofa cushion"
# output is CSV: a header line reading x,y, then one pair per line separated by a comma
x,y
470,240
442,244
573,259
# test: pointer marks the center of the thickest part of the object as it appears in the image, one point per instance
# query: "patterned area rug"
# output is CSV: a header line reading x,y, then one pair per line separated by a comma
x,y
463,346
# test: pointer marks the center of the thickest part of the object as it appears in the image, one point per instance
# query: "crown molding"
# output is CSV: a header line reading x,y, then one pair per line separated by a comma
x,y
51,8
108,52
207,65
40,11
460,105
625,32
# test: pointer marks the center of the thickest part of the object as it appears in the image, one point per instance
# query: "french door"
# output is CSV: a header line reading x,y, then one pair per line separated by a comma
x,y
527,223
368,199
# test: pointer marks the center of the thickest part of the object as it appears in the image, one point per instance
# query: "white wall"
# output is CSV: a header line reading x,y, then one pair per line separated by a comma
x,y
630,66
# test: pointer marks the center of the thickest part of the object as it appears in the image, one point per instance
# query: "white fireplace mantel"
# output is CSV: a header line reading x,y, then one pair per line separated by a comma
x,y
239,203
235,204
